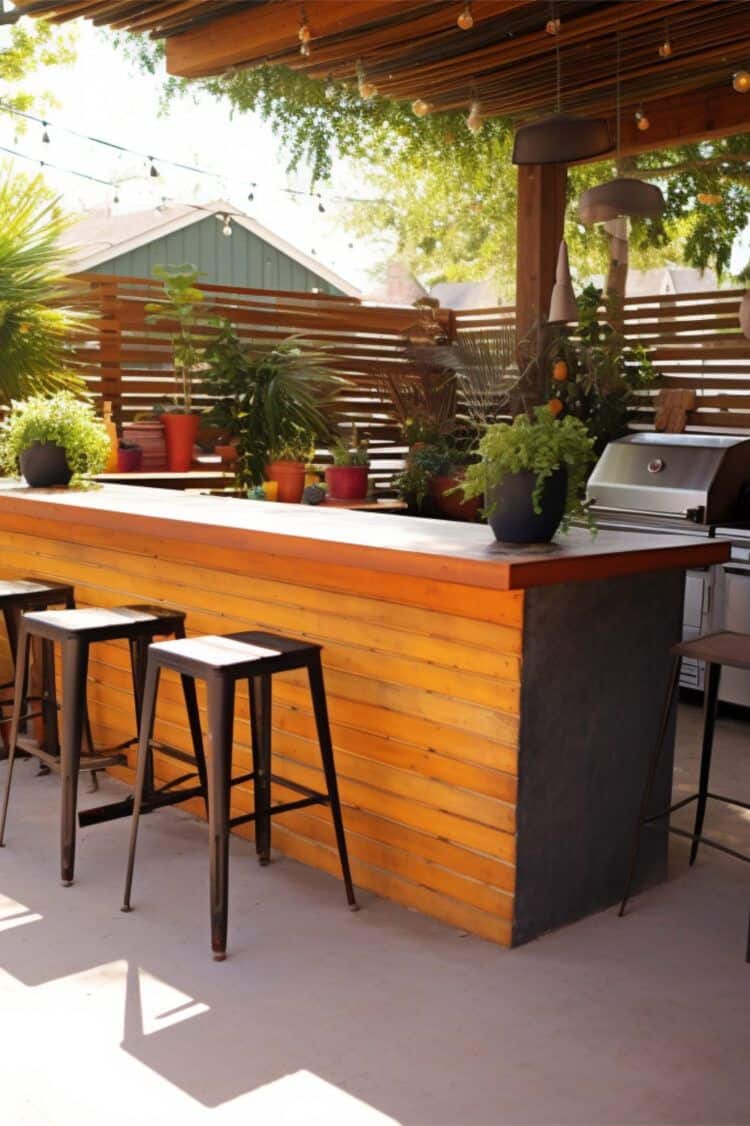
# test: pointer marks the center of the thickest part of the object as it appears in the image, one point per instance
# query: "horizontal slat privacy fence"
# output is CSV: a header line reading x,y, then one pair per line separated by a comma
x,y
129,361
694,339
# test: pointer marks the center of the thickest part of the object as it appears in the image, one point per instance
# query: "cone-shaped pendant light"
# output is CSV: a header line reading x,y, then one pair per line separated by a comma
x,y
562,307
561,138
623,196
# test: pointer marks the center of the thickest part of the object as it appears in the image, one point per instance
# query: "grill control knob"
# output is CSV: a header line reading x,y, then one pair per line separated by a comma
x,y
656,465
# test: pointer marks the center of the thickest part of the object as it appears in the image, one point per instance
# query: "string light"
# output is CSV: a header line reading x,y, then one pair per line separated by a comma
x,y
226,230
465,19
741,81
553,26
56,167
321,208
708,198
665,48
45,134
474,120
641,120
304,34
329,90
153,170
251,193
420,107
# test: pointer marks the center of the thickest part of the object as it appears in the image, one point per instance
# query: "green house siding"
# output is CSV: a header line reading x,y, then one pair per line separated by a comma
x,y
243,260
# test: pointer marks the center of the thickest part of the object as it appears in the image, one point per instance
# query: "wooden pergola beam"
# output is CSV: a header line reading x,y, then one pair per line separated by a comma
x,y
684,119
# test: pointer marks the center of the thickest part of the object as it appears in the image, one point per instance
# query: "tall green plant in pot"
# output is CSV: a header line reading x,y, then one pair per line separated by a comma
x,y
52,440
276,399
347,478
531,474
183,312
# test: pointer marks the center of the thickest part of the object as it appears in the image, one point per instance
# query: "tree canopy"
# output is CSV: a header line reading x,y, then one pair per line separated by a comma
x,y
31,45
448,196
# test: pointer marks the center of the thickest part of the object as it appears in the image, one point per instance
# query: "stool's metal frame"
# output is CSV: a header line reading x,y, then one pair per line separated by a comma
x,y
75,645
220,691
660,820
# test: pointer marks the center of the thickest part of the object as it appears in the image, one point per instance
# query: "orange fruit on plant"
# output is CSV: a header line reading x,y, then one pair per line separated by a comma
x,y
560,371
555,406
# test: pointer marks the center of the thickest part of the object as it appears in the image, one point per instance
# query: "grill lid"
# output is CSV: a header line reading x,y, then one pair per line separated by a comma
x,y
700,477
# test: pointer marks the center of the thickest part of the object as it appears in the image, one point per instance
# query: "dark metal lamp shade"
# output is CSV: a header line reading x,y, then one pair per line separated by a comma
x,y
622,196
561,139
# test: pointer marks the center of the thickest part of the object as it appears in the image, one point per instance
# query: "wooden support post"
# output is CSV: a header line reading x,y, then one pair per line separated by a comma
x,y
541,212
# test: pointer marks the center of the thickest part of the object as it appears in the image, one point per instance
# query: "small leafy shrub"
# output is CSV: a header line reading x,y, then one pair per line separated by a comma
x,y
62,419
542,444
353,453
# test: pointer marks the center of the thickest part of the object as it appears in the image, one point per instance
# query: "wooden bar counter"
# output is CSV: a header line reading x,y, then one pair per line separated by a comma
x,y
492,708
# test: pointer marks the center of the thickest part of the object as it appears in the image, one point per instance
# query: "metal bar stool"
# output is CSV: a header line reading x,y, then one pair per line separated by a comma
x,y
716,649
75,631
221,662
18,596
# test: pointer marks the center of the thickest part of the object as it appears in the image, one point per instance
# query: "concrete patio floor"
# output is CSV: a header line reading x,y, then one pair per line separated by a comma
x,y
321,1016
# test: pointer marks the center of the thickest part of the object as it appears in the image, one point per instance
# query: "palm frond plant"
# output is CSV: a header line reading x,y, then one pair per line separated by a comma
x,y
270,396
38,317
487,374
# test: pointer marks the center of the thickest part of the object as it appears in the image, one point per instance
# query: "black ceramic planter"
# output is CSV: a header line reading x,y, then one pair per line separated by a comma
x,y
511,511
44,464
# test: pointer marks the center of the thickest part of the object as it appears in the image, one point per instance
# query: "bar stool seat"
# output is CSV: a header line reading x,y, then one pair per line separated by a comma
x,y
75,630
715,649
221,661
18,596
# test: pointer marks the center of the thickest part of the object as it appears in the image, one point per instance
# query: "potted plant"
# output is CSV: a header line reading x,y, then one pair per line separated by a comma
x,y
53,440
531,474
275,398
181,305
346,479
129,457
147,432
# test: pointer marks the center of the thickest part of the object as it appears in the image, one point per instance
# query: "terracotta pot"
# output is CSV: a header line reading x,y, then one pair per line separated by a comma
x,y
129,461
180,432
228,454
290,478
347,482
453,506
511,511
44,465
150,437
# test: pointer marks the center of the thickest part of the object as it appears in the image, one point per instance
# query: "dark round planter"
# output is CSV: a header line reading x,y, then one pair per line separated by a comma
x,y
44,464
511,513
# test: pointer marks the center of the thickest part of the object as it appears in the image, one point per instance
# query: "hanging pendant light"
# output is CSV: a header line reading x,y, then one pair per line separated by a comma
x,y
563,308
623,196
561,138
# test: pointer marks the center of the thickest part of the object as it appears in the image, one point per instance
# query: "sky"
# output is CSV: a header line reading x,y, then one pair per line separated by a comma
x,y
106,96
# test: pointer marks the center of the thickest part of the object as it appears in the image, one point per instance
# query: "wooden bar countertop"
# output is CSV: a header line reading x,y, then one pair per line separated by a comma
x,y
429,549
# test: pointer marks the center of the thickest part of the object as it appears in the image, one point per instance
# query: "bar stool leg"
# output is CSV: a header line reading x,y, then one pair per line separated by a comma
x,y
75,660
145,733
194,722
22,657
220,699
320,707
710,703
260,727
49,705
650,778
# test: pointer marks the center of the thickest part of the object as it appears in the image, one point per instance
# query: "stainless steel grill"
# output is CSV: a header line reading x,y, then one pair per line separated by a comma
x,y
690,484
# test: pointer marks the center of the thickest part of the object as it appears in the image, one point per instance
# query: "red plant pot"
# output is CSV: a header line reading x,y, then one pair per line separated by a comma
x,y
290,478
180,431
453,506
228,454
347,482
129,461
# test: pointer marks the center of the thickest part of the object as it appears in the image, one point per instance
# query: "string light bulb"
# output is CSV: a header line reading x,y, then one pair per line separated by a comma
x,y
153,170
329,90
321,208
552,26
226,229
251,193
304,34
741,81
304,49
465,19
366,88
642,121
420,107
708,198
474,120
45,134
665,48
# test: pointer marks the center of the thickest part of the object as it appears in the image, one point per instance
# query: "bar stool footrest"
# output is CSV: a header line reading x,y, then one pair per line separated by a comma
x,y
117,809
318,799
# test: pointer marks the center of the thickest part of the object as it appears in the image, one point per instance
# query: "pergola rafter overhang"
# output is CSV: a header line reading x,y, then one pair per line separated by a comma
x,y
414,49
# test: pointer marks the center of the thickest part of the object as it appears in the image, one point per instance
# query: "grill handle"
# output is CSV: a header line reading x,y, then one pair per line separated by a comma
x,y
695,515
